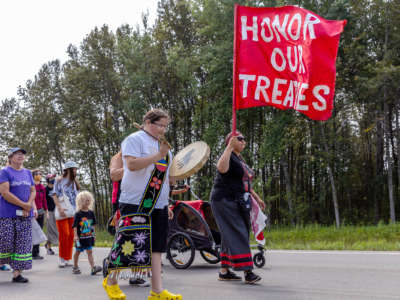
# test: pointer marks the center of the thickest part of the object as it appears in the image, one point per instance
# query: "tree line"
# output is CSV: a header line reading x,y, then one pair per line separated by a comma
x,y
342,171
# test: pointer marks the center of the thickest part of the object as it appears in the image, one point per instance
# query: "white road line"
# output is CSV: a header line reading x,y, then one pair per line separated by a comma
x,y
336,252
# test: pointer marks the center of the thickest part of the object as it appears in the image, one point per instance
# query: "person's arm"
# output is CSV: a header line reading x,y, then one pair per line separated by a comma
x,y
223,161
35,212
94,232
31,199
44,199
94,226
56,200
75,225
138,163
11,198
116,168
258,199
170,213
180,191
75,234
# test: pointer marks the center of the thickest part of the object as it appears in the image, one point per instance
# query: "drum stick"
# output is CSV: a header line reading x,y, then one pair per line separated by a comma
x,y
161,139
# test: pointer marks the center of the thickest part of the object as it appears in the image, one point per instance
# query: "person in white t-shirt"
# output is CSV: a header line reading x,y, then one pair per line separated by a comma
x,y
142,154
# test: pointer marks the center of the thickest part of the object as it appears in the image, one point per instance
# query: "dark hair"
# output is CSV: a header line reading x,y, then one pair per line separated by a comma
x,y
155,115
35,171
69,173
230,135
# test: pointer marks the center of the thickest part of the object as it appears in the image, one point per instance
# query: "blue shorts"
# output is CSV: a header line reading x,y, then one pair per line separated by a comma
x,y
82,249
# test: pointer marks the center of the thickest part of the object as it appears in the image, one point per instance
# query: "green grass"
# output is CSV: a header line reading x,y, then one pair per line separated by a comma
x,y
103,238
316,237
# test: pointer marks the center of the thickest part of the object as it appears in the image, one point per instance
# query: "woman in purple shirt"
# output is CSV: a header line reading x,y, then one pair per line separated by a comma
x,y
17,191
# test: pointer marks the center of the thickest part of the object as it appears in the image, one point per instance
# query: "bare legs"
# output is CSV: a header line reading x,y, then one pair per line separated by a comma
x,y
156,284
90,258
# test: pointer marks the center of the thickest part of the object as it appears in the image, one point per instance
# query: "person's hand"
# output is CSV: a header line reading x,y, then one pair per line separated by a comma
x,y
261,204
35,213
115,221
164,148
47,214
61,211
170,213
27,206
26,213
233,142
75,238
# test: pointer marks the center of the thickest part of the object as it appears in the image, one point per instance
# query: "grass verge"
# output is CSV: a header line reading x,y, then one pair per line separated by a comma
x,y
316,237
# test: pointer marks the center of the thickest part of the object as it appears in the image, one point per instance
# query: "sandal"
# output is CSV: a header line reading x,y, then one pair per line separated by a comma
x,y
76,270
164,295
113,291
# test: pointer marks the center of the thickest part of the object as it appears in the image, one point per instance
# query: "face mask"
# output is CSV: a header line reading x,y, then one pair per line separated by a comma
x,y
37,177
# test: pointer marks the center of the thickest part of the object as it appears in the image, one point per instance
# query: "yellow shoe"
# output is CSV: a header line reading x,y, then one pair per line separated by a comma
x,y
105,283
164,295
113,291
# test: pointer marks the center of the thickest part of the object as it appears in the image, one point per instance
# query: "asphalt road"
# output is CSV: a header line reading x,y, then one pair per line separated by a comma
x,y
287,275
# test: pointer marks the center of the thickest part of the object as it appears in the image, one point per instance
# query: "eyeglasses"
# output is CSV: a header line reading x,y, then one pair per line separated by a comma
x,y
241,139
161,125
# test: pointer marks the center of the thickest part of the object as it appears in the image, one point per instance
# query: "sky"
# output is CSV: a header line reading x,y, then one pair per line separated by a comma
x,y
34,32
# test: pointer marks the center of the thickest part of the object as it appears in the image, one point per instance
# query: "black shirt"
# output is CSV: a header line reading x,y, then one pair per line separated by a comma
x,y
50,202
230,183
84,222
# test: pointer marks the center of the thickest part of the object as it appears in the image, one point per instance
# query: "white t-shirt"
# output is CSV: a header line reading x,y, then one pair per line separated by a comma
x,y
140,144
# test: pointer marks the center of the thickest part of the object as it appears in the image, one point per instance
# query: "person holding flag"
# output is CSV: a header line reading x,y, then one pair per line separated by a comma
x,y
231,198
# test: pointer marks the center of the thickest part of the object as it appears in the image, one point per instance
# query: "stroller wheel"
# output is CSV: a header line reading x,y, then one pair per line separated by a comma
x,y
210,256
180,250
259,259
105,267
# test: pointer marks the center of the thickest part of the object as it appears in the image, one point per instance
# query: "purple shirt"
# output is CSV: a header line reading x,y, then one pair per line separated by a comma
x,y
20,186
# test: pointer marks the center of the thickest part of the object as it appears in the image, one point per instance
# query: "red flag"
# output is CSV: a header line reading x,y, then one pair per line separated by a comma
x,y
285,57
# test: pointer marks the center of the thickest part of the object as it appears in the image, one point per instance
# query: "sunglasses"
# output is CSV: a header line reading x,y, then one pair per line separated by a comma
x,y
161,125
240,138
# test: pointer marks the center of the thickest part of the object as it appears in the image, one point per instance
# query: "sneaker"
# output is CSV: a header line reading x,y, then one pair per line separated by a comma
x,y
50,251
96,269
20,279
68,263
164,295
76,270
61,263
37,257
251,278
139,282
229,276
5,268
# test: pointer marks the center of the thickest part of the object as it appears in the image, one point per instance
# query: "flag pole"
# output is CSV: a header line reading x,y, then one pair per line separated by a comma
x,y
234,71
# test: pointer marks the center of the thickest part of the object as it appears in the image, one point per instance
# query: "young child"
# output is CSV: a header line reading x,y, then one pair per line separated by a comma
x,y
84,234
